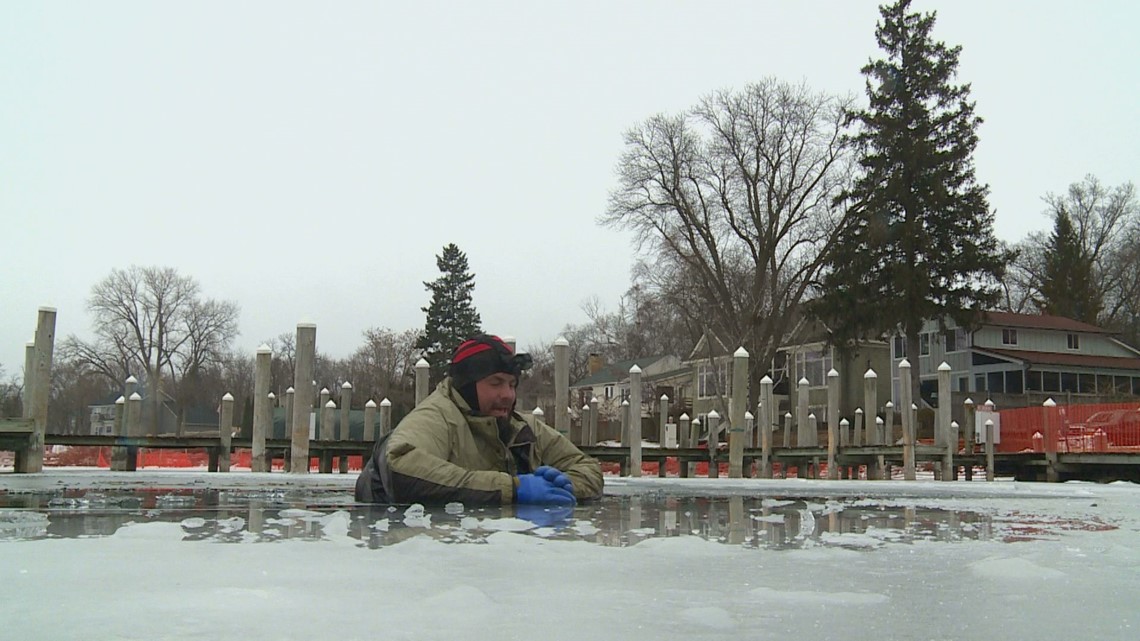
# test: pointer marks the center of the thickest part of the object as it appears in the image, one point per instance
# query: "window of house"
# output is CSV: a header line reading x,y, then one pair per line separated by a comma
x,y
1074,341
924,344
1051,381
995,382
900,346
1014,382
814,366
609,392
1087,383
1009,337
712,380
956,339
1033,381
963,383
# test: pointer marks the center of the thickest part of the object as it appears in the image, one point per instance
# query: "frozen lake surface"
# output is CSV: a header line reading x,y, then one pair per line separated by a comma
x,y
175,555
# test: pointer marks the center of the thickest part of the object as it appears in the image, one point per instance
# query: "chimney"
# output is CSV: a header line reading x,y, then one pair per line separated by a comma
x,y
594,363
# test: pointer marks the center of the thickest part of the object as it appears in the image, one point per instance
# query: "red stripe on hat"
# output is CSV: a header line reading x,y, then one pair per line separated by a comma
x,y
468,349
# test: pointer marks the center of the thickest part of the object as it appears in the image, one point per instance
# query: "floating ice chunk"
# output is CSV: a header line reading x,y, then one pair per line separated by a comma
x,y
415,516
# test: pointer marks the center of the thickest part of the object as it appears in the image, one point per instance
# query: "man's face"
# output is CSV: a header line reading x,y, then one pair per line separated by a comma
x,y
496,394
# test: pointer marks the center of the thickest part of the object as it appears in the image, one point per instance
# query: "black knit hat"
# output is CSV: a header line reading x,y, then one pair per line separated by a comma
x,y
482,355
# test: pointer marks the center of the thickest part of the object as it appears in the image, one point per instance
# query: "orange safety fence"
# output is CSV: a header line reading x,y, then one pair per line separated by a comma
x,y
91,456
1100,427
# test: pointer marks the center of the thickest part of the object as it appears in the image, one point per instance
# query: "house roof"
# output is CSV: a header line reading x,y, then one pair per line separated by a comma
x,y
680,372
1040,321
617,372
1068,360
701,349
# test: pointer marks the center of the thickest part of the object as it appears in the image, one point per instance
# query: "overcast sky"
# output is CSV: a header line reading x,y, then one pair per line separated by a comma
x,y
309,160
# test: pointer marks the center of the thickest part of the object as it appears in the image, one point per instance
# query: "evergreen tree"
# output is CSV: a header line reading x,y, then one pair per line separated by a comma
x,y
1067,284
920,243
451,316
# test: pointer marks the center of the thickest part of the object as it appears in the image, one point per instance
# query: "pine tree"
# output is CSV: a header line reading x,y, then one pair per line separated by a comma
x,y
451,316
1067,287
920,245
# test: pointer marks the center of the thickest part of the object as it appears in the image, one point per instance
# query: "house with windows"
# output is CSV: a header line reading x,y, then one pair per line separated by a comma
x,y
609,383
808,354
1019,360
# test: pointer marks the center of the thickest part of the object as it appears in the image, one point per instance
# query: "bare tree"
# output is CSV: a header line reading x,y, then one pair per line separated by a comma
x,y
150,321
384,367
10,390
733,205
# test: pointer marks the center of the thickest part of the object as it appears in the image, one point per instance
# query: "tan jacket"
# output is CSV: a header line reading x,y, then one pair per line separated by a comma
x,y
441,452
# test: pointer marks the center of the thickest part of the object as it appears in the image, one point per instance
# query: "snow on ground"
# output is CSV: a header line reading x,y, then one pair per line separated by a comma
x,y
151,581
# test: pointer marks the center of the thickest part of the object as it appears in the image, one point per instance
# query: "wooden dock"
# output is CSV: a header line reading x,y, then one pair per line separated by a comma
x,y
1022,466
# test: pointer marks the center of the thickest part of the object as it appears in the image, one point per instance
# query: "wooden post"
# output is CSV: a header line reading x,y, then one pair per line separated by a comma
x,y
593,440
662,419
880,460
328,409
871,405
225,432
889,423
369,433
767,421
804,437
134,428
952,445
262,409
833,434
787,429
561,349
634,413
860,421
344,425
713,443
989,450
844,428
737,433
623,423
41,388
423,373
695,429
749,425
687,440
942,425
1048,414
814,422
908,423
584,432
385,417
327,433
971,440
306,348
289,394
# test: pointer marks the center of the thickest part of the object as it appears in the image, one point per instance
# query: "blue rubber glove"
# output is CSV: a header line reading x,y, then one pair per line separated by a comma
x,y
536,490
555,476
544,516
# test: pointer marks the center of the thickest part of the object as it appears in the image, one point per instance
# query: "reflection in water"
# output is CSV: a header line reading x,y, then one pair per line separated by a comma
x,y
772,523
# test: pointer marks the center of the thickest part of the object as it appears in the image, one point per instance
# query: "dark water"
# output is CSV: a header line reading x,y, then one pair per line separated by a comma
x,y
774,522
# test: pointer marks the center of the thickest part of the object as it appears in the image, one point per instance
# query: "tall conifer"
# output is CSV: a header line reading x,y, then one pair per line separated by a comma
x,y
921,243
1067,287
451,316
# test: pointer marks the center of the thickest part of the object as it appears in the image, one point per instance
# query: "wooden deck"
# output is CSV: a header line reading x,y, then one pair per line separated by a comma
x,y
1024,466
